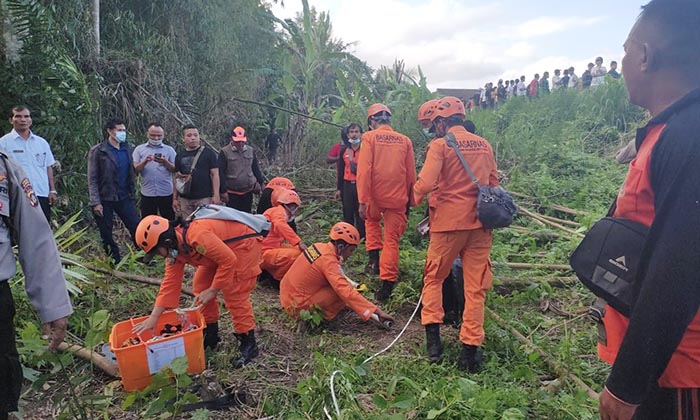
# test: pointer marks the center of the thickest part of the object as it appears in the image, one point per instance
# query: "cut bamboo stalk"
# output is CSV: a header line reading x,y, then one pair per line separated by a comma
x,y
561,221
553,364
545,221
526,266
534,233
134,277
100,361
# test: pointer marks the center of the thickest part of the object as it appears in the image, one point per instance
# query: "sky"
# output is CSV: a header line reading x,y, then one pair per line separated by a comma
x,y
466,43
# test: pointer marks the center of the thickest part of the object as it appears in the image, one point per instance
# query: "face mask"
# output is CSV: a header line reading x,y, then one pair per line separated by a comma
x,y
427,133
155,143
354,141
172,256
120,136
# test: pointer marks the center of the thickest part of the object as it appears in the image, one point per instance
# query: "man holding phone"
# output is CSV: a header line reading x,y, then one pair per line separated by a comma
x,y
155,162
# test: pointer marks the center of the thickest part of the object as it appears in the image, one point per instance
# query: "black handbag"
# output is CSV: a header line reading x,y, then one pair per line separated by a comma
x,y
607,259
495,208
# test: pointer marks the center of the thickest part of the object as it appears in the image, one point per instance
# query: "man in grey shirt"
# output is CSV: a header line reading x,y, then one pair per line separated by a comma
x,y
155,162
22,222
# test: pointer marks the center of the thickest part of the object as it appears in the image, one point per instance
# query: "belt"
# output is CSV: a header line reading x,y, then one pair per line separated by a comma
x,y
350,182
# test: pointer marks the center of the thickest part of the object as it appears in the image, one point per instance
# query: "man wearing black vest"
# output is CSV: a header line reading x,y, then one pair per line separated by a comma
x,y
240,172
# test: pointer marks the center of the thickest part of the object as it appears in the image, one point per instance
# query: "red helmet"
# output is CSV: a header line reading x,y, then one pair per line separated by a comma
x,y
425,112
345,232
447,107
376,109
280,182
239,134
149,230
285,196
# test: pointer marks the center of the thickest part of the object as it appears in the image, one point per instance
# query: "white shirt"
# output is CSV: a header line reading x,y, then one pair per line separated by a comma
x,y
598,73
556,80
34,156
573,80
522,89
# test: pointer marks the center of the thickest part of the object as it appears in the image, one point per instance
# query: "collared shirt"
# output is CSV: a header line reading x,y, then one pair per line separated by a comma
x,y
34,155
121,155
156,179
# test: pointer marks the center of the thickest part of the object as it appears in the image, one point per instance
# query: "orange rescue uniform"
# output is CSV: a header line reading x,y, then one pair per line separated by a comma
x,y
277,258
230,267
455,230
386,172
316,278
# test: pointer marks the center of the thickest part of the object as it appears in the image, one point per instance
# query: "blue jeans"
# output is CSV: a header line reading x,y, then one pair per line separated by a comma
x,y
126,211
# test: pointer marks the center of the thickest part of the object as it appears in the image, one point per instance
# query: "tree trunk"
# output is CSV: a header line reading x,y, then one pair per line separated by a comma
x,y
96,26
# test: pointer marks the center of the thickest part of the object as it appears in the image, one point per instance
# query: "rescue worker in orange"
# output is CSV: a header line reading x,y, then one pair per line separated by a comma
x,y
655,352
230,268
276,257
386,173
316,279
455,230
347,179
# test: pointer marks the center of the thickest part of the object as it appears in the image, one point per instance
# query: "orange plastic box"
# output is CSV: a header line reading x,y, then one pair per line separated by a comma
x,y
139,362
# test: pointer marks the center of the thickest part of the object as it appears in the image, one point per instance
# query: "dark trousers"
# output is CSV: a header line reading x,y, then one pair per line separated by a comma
x,y
10,368
670,404
162,205
243,202
45,207
351,207
127,213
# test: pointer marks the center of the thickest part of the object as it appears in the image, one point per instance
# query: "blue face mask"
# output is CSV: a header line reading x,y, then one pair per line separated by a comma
x,y
120,136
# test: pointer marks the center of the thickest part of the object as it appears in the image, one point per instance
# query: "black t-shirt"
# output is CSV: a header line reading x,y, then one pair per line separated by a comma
x,y
201,178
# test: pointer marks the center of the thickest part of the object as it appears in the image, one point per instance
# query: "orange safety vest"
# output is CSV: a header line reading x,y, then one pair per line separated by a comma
x,y
636,202
350,156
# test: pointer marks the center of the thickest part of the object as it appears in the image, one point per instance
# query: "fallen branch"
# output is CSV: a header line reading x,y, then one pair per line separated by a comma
x,y
133,277
561,221
534,233
526,266
553,224
556,207
100,361
553,364
566,281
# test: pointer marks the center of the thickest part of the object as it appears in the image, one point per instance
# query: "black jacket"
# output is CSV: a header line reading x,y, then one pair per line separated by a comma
x,y
103,173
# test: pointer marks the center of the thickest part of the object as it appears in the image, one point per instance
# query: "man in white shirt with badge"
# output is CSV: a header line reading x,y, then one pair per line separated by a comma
x,y
155,162
34,155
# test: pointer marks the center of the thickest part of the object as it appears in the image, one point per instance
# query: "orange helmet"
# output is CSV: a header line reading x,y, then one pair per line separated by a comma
x,y
425,112
239,134
149,230
345,232
285,196
376,109
280,182
447,107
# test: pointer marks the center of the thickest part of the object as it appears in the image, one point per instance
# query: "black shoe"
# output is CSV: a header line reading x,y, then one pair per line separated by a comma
x,y
433,343
372,266
211,336
470,358
248,349
265,279
384,292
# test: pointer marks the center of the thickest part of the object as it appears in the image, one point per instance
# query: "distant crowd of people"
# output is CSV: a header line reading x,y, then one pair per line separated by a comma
x,y
491,96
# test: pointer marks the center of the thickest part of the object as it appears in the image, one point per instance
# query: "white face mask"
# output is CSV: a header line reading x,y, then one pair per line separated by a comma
x,y
172,256
354,141
120,136
155,143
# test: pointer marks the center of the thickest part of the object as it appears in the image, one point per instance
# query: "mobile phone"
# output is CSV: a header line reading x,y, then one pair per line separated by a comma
x,y
158,155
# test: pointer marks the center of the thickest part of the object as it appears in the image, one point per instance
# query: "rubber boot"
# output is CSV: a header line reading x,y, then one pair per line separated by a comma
x,y
248,349
433,343
211,336
384,292
470,358
372,266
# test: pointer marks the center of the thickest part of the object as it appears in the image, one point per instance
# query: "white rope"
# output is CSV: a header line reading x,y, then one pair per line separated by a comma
x,y
333,396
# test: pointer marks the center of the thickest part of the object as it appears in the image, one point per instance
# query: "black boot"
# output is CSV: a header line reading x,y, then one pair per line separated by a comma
x,y
433,343
211,336
470,358
372,266
248,349
384,293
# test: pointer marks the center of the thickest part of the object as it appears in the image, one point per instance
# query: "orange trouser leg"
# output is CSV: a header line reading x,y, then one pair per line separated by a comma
x,y
237,299
328,300
202,281
443,249
478,278
277,261
394,227
373,229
